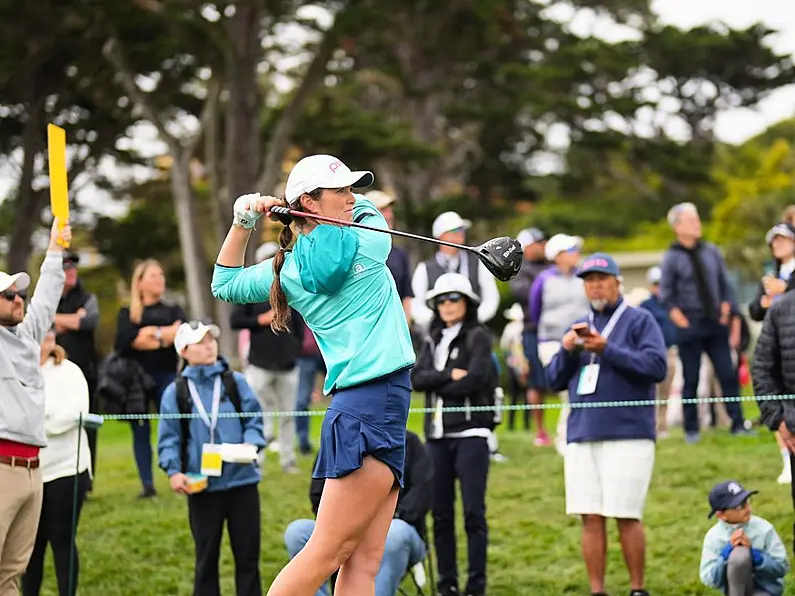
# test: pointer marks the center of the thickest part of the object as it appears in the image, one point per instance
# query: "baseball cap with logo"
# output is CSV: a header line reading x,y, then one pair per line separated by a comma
x,y
449,221
599,262
323,171
561,243
192,333
728,495
21,280
530,236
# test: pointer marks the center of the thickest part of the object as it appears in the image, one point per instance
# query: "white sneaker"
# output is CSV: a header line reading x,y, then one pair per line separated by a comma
x,y
786,476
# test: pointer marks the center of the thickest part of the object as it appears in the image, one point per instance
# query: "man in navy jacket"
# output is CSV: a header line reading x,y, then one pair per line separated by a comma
x,y
618,355
695,289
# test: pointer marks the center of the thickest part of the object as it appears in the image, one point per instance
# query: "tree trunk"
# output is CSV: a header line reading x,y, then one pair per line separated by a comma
x,y
244,106
28,202
221,218
196,281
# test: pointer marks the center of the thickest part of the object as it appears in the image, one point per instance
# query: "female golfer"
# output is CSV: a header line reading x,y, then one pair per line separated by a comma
x,y
337,279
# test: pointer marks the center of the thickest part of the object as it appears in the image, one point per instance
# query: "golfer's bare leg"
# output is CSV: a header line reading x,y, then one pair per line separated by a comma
x,y
347,508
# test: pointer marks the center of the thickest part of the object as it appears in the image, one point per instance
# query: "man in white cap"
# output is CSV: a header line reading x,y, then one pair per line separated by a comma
x,y
22,432
557,297
449,226
398,261
272,370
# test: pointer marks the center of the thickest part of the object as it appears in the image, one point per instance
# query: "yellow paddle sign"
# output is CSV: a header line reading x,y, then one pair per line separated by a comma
x,y
59,193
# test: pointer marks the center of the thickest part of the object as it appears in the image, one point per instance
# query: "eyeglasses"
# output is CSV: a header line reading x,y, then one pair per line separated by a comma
x,y
451,297
11,295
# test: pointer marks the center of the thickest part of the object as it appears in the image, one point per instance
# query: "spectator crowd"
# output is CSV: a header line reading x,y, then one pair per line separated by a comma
x,y
571,331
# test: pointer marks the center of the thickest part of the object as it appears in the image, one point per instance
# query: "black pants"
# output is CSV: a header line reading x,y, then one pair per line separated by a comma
x,y
55,529
518,397
239,508
468,461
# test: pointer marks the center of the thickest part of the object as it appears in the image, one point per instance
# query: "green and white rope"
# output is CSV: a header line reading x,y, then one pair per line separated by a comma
x,y
501,408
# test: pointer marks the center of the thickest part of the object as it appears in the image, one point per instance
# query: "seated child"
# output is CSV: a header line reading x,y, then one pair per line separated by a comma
x,y
742,554
212,459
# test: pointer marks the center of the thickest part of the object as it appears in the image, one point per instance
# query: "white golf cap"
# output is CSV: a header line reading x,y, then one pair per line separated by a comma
x,y
379,198
21,280
193,333
322,171
561,243
449,221
451,283
530,236
266,251
654,275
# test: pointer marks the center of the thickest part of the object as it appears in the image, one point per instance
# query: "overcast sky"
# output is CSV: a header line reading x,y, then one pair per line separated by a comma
x,y
732,126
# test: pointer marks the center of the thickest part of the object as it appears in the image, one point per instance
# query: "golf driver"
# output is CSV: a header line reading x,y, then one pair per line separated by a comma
x,y
501,256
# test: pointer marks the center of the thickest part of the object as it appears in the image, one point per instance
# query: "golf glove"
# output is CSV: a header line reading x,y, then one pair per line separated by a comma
x,y
243,216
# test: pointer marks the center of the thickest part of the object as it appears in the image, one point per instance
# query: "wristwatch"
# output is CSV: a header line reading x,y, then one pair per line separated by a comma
x,y
159,336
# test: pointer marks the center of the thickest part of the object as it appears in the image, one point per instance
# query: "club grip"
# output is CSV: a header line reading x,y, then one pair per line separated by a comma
x,y
282,213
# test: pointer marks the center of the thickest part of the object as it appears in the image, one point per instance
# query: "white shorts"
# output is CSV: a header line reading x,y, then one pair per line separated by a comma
x,y
608,478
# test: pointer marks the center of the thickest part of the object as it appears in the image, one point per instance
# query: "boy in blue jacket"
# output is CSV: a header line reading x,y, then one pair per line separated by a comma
x,y
222,449
742,553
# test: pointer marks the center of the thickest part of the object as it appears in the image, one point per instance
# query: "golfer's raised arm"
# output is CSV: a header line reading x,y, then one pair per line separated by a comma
x,y
231,281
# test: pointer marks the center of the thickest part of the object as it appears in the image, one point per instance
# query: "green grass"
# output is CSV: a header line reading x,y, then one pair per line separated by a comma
x,y
144,548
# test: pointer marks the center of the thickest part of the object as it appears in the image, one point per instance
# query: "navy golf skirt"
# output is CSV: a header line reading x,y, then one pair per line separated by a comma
x,y
368,419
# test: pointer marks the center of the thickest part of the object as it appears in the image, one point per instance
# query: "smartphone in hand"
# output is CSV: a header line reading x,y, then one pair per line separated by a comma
x,y
581,329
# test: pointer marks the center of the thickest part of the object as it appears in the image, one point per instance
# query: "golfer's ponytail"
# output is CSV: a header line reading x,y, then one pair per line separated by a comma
x,y
281,310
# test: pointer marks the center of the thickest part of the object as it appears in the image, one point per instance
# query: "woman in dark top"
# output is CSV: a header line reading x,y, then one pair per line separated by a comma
x,y
455,369
145,333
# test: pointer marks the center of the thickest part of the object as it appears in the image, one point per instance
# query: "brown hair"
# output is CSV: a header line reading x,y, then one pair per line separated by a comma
x,y
136,300
789,215
278,300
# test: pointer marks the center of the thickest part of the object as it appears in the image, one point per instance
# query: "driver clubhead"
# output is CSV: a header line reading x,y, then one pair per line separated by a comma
x,y
502,257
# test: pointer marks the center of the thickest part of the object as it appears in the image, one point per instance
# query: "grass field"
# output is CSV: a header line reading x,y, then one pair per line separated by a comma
x,y
129,547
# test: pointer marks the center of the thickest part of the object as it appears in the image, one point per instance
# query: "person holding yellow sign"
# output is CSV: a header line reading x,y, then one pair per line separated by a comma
x,y
22,432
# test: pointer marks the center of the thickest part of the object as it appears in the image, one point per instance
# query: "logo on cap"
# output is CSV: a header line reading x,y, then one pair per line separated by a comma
x,y
734,488
595,263
334,165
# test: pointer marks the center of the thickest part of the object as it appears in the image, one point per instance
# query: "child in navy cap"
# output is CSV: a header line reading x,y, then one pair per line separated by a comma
x,y
742,555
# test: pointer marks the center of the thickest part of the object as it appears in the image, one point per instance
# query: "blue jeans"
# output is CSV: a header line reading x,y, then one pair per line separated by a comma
x,y
713,338
142,434
308,367
536,379
403,549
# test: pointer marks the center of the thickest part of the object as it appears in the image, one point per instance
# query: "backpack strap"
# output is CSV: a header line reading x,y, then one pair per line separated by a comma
x,y
185,407
231,389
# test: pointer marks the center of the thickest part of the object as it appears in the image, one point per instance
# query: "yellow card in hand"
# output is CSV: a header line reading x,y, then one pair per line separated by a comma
x,y
59,193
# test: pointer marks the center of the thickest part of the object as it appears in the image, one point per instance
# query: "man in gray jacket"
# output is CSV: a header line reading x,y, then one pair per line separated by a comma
x,y
22,406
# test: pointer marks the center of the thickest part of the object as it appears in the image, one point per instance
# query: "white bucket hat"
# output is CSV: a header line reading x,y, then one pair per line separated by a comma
x,y
21,280
192,333
451,283
447,222
322,171
561,243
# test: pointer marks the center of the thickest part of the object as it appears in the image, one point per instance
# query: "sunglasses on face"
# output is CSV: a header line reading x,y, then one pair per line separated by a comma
x,y
452,297
11,295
